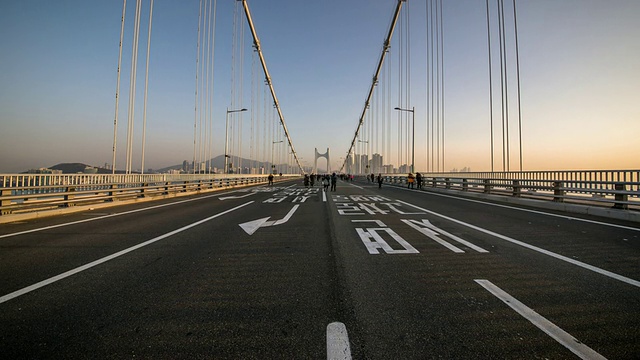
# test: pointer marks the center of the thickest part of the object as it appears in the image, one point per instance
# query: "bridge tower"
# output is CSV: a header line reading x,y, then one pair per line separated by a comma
x,y
315,162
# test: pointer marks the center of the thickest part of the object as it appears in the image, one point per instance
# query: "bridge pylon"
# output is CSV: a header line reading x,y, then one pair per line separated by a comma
x,y
315,161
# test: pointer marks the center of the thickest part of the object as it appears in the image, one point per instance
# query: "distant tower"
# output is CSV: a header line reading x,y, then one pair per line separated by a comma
x,y
315,162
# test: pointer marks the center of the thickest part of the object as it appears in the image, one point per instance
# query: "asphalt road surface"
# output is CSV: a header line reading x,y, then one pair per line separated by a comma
x,y
288,272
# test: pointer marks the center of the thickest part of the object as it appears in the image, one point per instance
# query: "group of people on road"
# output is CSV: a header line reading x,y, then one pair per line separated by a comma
x,y
417,179
325,180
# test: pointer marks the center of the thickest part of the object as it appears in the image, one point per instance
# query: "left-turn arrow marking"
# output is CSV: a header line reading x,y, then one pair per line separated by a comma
x,y
252,226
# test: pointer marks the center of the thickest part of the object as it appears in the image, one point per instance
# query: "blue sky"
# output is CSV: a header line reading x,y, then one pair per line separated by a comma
x,y
579,62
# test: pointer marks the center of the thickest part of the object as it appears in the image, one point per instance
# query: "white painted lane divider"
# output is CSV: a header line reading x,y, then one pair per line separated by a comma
x,y
252,226
51,280
237,197
559,335
338,347
598,270
111,215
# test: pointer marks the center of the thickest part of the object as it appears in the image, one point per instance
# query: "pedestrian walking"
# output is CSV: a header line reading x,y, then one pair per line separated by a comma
x,y
379,181
325,183
334,180
410,181
418,181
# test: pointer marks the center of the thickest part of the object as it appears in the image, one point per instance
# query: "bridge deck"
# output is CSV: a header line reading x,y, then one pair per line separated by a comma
x,y
261,272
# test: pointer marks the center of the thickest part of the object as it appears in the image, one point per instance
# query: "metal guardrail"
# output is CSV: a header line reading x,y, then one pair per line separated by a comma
x,y
21,193
619,189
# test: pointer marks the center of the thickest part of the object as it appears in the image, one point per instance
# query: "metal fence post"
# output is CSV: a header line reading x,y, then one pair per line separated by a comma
x,y
487,186
447,182
111,193
558,191
3,202
516,188
621,198
144,190
465,185
69,196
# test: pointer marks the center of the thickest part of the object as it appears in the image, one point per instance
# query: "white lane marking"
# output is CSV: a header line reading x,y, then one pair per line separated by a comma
x,y
338,347
559,335
373,241
359,187
530,211
430,233
238,197
252,226
51,280
535,248
324,196
111,215
433,231
378,222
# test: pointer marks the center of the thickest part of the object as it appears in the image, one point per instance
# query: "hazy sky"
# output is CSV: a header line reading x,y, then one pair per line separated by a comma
x,y
579,67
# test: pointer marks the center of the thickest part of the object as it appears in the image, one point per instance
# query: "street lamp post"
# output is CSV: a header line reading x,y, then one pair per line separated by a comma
x,y
413,135
226,138
273,166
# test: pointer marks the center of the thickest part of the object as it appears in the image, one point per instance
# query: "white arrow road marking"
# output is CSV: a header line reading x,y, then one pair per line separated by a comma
x,y
252,226
237,197
433,232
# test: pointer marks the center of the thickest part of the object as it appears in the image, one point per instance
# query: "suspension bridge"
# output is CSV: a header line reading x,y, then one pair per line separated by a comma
x,y
245,259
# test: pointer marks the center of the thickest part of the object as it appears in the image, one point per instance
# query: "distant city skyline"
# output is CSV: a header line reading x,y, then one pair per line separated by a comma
x,y
579,62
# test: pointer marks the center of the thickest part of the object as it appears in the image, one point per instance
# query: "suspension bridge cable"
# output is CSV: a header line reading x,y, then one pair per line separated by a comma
x,y
256,43
443,82
213,46
195,116
437,67
132,86
506,84
515,25
146,88
434,135
490,84
207,117
115,120
502,81
375,78
407,104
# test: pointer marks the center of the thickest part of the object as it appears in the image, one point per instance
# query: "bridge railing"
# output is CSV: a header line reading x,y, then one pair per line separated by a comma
x,y
616,188
21,193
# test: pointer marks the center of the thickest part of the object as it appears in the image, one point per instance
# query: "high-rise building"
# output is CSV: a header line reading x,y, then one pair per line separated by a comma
x,y
376,164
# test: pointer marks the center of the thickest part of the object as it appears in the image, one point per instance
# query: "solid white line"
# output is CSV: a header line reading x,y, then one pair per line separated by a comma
x,y
359,187
559,335
338,347
51,280
112,215
535,248
324,196
530,211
